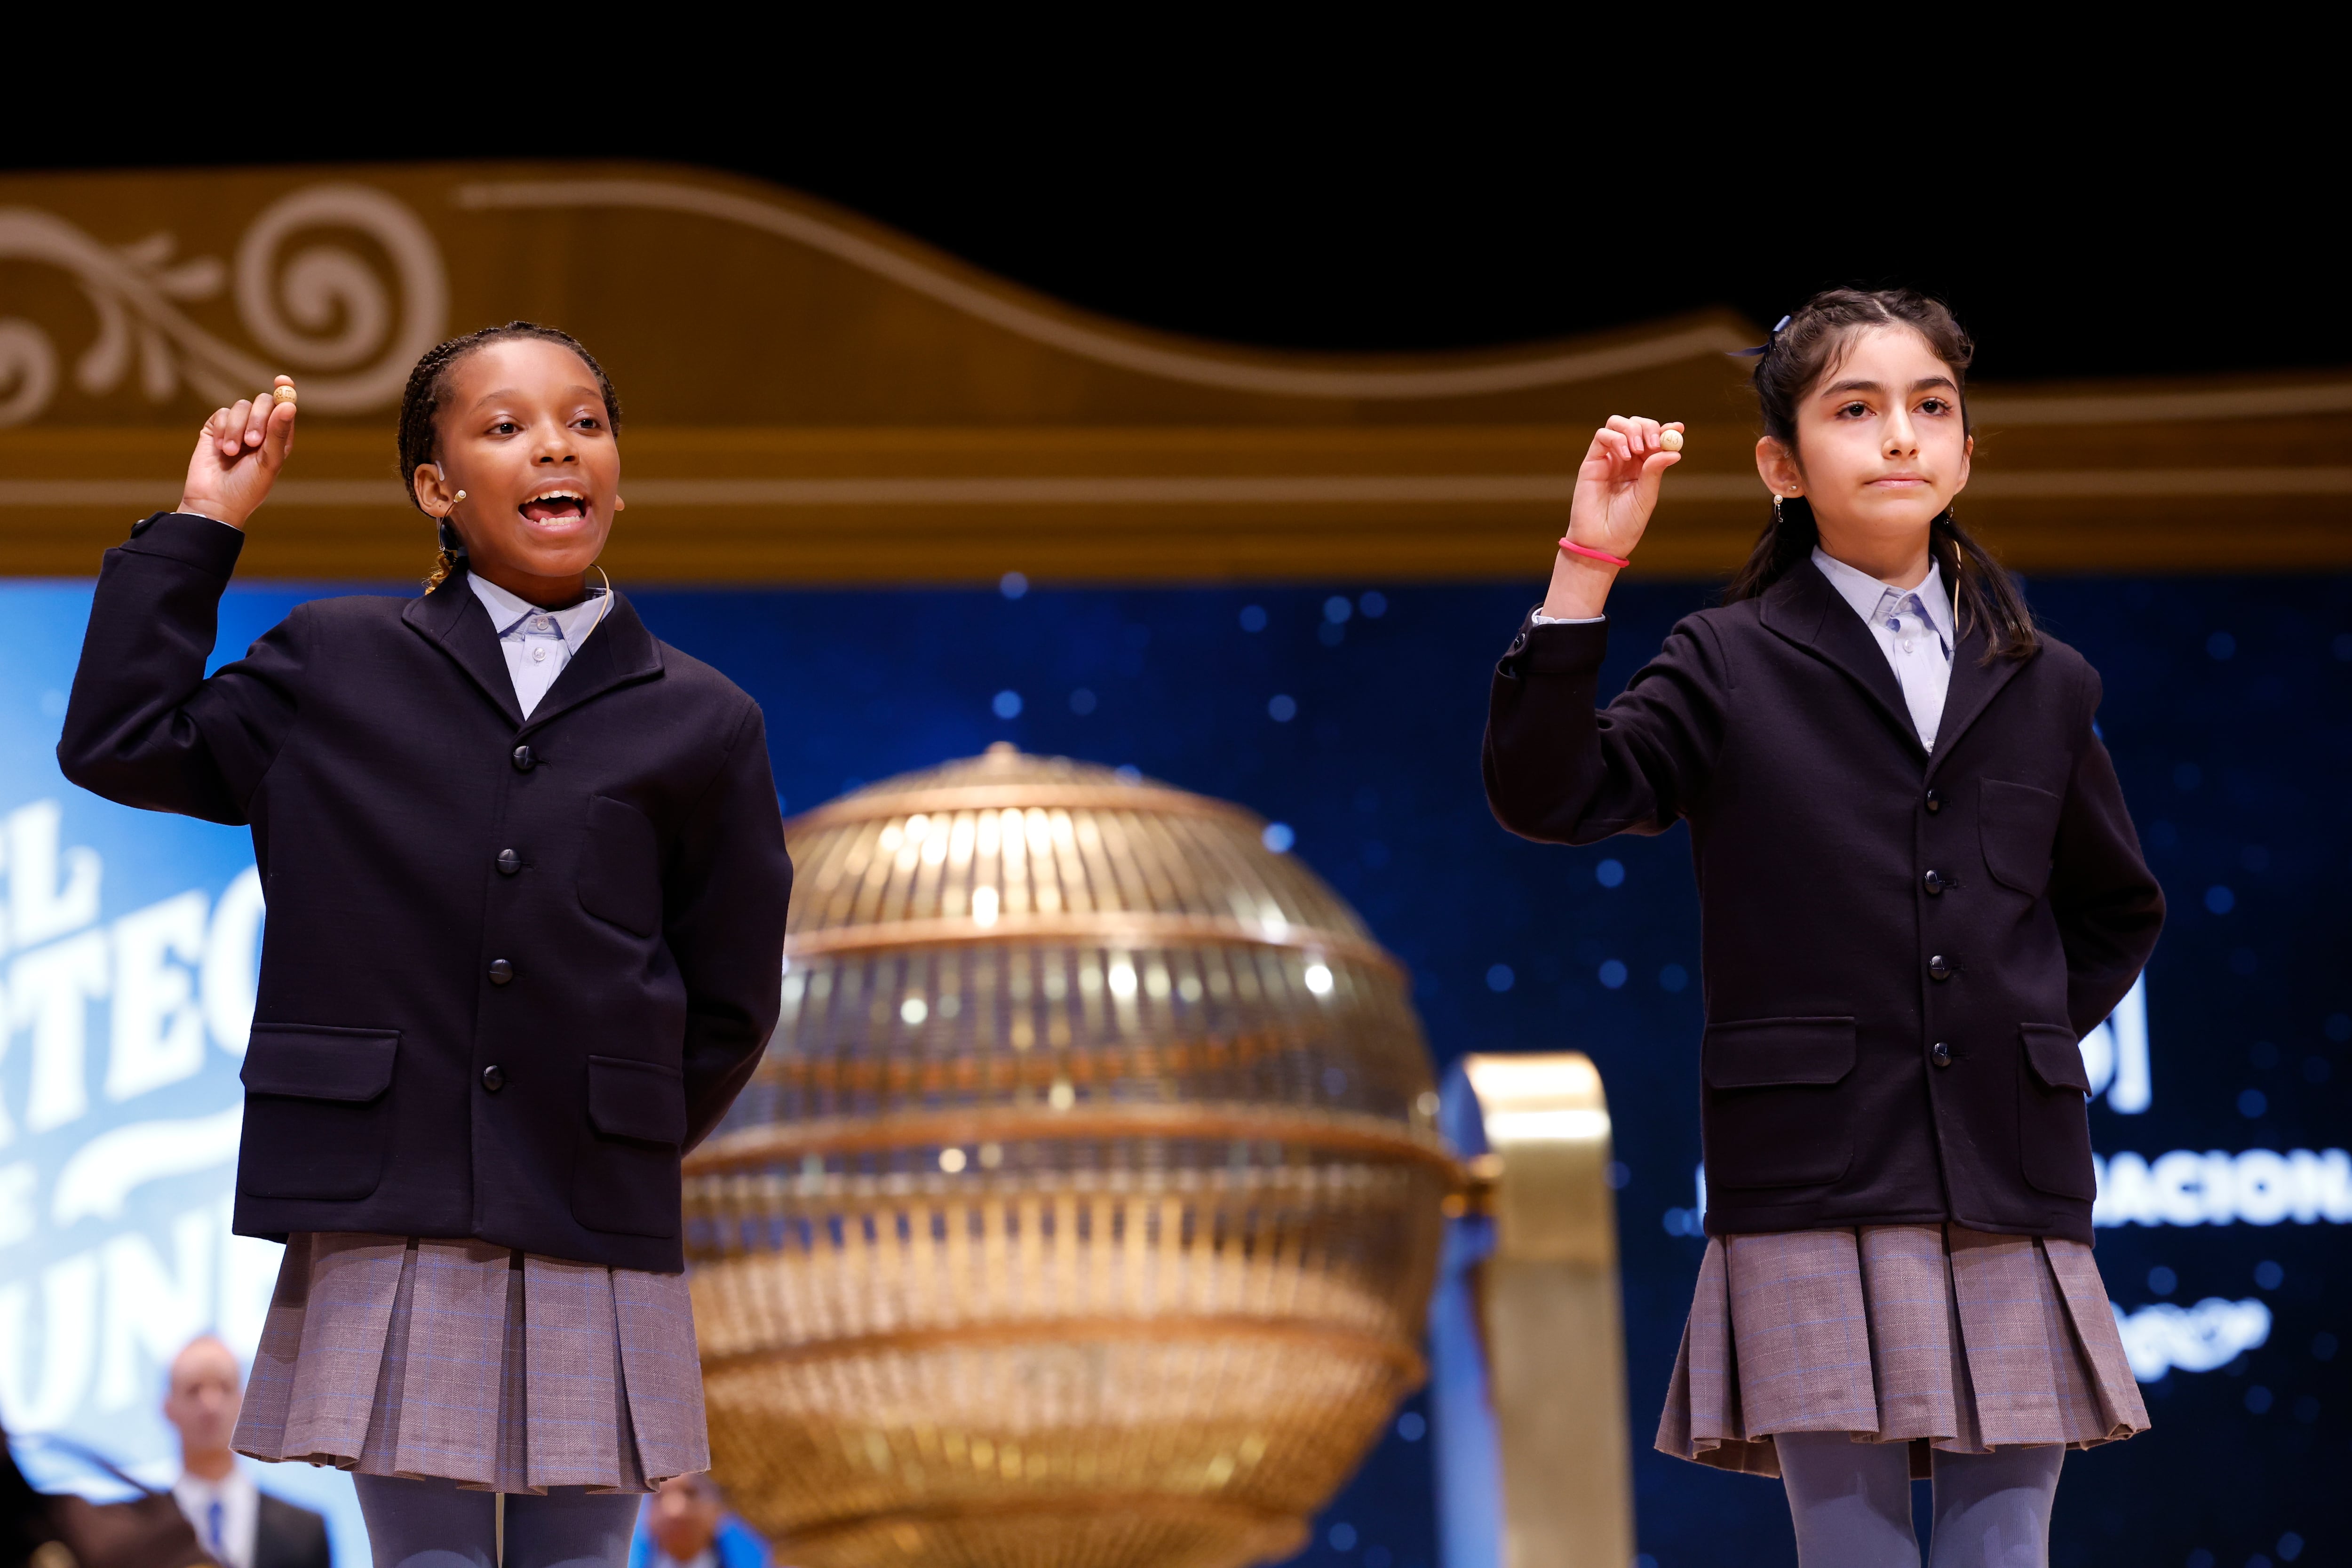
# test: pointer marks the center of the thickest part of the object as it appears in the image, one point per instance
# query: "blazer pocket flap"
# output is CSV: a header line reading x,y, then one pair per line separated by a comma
x,y
636,1099
311,1061
1764,1052
2019,824
2056,1057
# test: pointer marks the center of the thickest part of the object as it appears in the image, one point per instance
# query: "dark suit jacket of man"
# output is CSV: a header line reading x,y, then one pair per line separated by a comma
x,y
285,1536
511,970
1900,948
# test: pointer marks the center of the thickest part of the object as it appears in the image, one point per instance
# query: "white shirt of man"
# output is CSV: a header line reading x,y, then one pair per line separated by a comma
x,y
537,643
225,1514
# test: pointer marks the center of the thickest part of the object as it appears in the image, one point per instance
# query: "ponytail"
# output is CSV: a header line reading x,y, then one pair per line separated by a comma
x,y
443,564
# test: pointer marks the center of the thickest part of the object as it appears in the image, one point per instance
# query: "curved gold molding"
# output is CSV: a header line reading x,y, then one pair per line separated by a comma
x,y
1126,348
815,399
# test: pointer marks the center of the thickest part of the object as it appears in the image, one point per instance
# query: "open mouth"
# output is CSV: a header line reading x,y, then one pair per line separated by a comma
x,y
556,506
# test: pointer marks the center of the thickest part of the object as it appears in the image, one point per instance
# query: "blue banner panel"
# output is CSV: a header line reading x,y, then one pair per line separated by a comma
x,y
1349,716
128,948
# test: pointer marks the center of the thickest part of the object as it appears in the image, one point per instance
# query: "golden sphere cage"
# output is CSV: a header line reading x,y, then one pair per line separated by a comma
x,y
1086,1208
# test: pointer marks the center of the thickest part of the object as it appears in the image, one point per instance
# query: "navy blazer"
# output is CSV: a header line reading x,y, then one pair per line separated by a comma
x,y
1900,948
511,968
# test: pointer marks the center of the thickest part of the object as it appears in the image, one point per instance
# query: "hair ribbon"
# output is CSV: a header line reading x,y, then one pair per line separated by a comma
x,y
1760,350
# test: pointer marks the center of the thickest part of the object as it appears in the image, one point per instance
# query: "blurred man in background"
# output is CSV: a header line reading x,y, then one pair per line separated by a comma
x,y
239,1526
686,1525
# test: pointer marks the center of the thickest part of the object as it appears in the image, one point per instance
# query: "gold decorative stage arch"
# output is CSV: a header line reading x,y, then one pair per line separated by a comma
x,y
812,398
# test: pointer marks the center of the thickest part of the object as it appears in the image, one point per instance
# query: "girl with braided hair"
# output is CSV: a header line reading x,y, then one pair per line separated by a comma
x,y
526,883
1919,889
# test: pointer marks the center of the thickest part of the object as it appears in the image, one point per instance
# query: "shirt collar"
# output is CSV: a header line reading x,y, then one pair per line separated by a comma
x,y
508,610
235,1483
1866,593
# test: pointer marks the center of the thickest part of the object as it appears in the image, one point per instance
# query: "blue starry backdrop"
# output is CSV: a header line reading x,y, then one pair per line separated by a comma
x,y
1348,715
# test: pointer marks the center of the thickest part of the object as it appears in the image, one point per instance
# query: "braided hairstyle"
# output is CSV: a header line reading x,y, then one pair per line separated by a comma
x,y
1811,344
420,410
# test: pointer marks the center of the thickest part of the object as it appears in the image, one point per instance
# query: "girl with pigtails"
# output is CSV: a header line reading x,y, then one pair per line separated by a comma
x,y
526,881
1919,889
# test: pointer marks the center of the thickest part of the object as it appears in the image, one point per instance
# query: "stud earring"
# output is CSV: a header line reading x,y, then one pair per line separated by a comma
x,y
461,495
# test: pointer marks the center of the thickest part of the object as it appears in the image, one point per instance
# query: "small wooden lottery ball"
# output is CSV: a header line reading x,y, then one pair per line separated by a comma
x,y
284,395
1672,440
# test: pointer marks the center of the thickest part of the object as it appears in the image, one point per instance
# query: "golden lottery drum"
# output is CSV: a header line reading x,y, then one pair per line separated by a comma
x,y
1086,1208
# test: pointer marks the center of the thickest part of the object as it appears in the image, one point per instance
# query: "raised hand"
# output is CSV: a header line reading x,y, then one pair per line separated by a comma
x,y
1616,491
238,455
1617,487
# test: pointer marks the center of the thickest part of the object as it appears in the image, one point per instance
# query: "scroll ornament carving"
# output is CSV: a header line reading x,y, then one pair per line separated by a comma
x,y
324,312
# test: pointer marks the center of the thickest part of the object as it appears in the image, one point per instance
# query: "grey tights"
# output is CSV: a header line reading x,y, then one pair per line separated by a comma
x,y
431,1524
1851,1504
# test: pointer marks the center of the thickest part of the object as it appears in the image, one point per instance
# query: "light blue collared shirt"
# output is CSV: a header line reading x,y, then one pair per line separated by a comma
x,y
537,643
1913,627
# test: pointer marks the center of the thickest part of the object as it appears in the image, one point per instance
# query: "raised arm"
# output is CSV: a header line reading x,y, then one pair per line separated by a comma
x,y
724,900
144,726
2108,904
1555,769
1559,772
1616,491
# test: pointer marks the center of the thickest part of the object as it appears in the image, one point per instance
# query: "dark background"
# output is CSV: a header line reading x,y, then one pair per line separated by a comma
x,y
1446,187
2232,748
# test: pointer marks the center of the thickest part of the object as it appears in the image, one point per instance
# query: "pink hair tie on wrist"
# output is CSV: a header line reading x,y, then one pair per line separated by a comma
x,y
1573,548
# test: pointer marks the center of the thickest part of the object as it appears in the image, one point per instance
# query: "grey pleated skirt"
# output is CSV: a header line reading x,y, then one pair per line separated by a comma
x,y
499,1370
1936,1336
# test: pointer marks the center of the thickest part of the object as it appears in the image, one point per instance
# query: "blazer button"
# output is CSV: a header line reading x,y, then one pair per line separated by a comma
x,y
501,972
523,760
1941,1056
1940,967
1934,883
509,862
495,1080
1934,802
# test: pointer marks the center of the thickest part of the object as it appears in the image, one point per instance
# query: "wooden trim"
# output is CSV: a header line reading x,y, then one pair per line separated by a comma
x,y
814,400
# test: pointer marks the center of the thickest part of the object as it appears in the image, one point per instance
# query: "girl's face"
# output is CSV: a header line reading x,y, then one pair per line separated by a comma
x,y
525,434
1880,445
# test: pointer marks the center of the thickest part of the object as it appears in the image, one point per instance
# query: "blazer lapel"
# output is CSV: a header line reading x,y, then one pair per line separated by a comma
x,y
1806,610
451,617
1974,686
619,652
